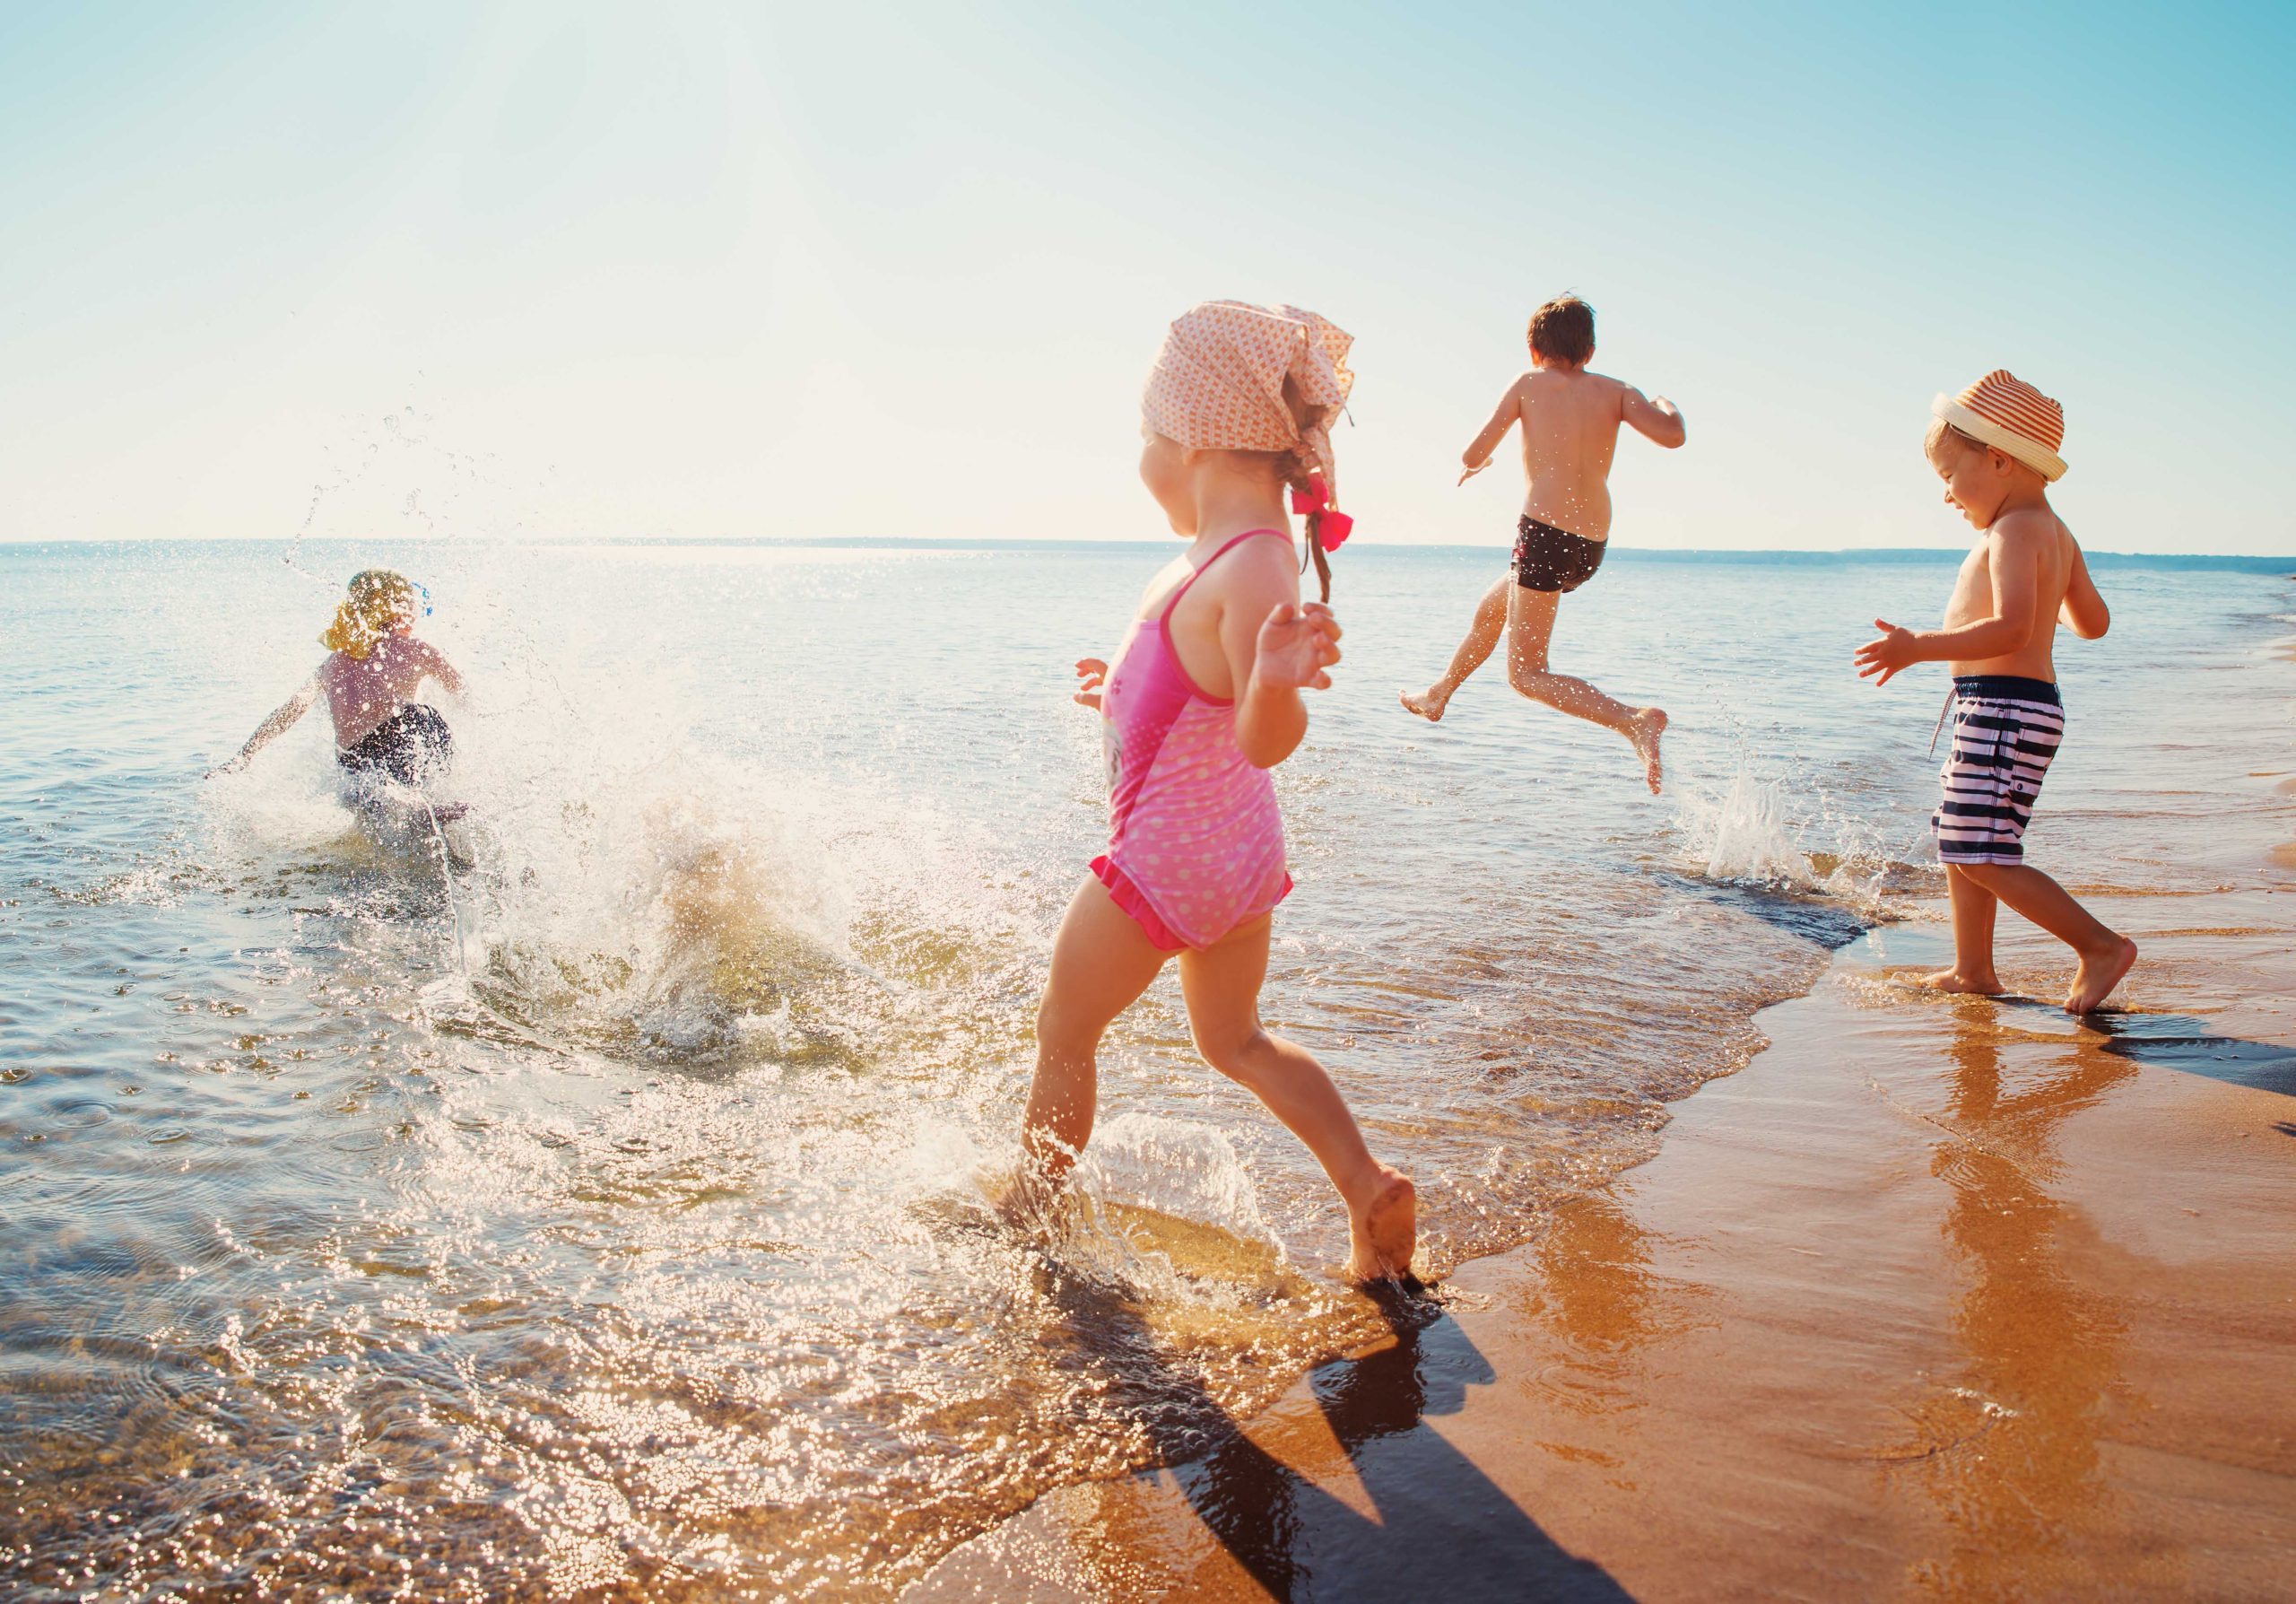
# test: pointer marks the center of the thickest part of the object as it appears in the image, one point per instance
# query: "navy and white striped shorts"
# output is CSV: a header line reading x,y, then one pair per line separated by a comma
x,y
2005,730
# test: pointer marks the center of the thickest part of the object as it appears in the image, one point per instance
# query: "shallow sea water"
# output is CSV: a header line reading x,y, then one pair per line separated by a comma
x,y
605,1210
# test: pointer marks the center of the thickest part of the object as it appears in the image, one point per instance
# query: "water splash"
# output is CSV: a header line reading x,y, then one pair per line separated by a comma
x,y
1784,833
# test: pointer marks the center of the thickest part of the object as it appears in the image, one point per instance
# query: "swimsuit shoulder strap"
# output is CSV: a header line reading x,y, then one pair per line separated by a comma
x,y
1165,617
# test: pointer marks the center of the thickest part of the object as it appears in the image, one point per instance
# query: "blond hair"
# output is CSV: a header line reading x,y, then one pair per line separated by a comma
x,y
378,602
1942,434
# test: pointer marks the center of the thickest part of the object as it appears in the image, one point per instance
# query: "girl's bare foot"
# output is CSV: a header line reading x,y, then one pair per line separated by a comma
x,y
1025,1202
1430,703
1382,1235
2099,974
1644,730
1984,982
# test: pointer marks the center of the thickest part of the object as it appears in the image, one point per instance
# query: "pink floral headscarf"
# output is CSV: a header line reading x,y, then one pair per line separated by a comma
x,y
1218,383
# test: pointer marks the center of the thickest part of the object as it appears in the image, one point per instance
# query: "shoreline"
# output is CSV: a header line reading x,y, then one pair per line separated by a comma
x,y
1935,1294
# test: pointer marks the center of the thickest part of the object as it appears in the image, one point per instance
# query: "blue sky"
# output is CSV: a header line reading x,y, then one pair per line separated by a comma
x,y
692,270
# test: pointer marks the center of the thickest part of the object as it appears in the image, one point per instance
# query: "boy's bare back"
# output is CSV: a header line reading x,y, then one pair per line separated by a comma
x,y
1571,420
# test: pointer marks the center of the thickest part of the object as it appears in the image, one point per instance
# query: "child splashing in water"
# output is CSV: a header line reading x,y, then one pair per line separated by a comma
x,y
1201,701
373,669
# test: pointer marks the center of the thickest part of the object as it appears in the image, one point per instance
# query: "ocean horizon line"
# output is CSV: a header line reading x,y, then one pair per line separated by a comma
x,y
2234,562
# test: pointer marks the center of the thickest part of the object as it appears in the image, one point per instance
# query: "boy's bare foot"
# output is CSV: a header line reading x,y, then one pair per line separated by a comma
x,y
1430,703
2099,974
1644,730
1983,983
1382,1237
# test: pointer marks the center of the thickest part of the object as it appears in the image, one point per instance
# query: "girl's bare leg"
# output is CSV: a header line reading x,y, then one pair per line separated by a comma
x,y
2105,955
1222,984
1489,623
1101,962
1973,909
1530,624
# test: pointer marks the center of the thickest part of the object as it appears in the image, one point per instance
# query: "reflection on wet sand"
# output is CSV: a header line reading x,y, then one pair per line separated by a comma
x,y
1600,1297
2008,1453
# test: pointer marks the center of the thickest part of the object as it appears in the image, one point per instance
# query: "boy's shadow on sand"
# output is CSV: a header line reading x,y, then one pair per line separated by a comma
x,y
1442,1526
2178,1041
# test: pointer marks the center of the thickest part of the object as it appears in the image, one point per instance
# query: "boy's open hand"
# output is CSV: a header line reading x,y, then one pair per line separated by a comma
x,y
1092,672
1296,645
1892,649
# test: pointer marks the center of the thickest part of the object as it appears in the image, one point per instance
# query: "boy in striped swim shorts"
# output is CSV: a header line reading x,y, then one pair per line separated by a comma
x,y
1996,446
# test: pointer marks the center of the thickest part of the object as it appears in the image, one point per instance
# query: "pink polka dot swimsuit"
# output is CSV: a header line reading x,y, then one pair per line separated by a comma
x,y
1195,842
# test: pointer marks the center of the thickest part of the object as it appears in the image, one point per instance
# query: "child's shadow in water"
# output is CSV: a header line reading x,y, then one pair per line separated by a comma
x,y
1443,1528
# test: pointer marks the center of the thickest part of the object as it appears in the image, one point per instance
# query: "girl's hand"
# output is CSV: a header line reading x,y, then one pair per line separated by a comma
x,y
1892,649
1092,672
1473,469
1296,645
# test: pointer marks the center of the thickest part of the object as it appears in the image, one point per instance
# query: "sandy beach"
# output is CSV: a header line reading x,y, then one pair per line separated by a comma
x,y
1939,1297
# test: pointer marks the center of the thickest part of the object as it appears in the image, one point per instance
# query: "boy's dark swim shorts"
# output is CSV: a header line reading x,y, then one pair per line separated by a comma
x,y
1550,559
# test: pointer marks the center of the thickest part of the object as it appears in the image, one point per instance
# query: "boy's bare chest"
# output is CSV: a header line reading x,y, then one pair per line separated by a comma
x,y
1973,590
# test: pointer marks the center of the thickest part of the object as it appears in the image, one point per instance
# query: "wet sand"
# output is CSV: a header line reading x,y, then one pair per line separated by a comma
x,y
1939,1297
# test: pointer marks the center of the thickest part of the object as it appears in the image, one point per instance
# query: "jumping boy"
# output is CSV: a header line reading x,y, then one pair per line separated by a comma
x,y
1570,420
1996,446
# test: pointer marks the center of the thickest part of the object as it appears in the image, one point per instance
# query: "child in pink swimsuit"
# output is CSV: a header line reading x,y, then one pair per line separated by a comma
x,y
1203,701
373,670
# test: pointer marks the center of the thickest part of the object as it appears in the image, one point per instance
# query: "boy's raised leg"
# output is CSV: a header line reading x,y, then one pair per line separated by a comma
x,y
2105,956
1974,908
1489,623
1222,985
1530,625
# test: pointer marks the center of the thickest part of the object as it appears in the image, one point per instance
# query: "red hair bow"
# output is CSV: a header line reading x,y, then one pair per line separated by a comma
x,y
1327,527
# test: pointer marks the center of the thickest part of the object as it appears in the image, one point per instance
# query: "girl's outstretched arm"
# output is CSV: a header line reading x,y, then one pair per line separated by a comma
x,y
1275,648
282,719
1092,673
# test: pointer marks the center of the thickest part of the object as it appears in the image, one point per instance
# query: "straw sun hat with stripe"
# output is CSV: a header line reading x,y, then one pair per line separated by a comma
x,y
2003,411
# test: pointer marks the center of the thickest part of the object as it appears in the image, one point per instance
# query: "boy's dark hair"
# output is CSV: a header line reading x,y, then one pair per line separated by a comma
x,y
1563,330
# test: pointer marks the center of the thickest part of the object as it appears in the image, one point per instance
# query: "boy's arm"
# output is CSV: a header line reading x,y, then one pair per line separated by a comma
x,y
1654,417
1274,648
2084,611
1477,456
281,719
2014,556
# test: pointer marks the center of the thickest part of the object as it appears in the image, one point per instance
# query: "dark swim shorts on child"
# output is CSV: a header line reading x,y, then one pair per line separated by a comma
x,y
1550,559
410,746
2005,730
